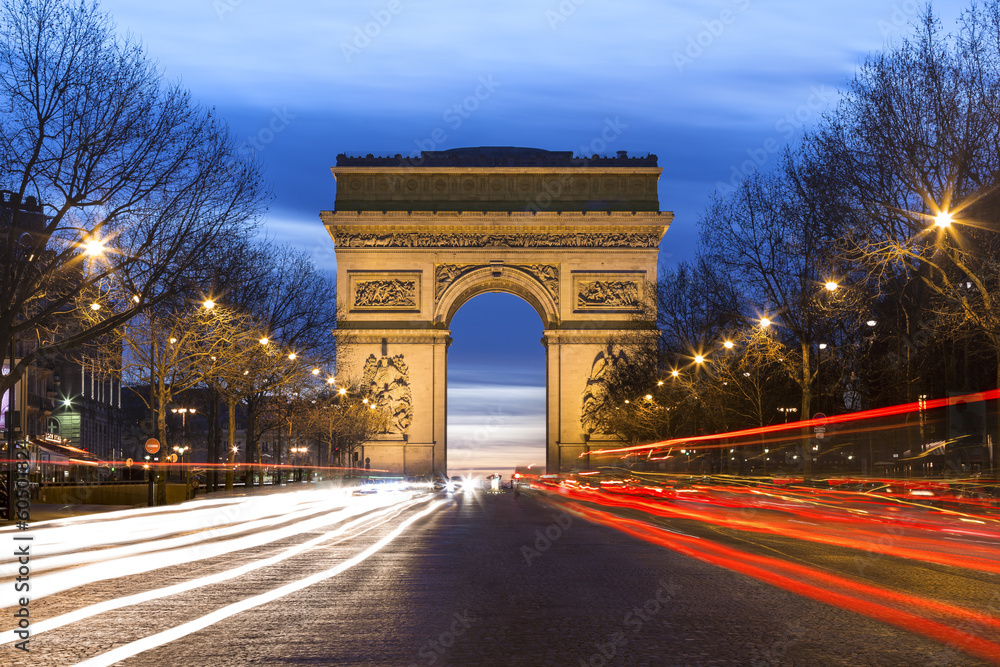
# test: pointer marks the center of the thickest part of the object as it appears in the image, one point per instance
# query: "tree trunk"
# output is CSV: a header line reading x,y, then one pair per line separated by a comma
x,y
995,437
276,477
231,403
806,411
161,429
212,455
253,447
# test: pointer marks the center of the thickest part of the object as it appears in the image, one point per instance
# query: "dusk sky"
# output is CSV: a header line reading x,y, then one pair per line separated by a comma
x,y
706,86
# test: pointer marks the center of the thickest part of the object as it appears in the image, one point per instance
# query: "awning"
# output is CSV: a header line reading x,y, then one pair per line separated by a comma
x,y
50,452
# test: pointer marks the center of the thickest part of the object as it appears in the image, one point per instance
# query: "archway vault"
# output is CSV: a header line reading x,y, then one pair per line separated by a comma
x,y
576,239
536,284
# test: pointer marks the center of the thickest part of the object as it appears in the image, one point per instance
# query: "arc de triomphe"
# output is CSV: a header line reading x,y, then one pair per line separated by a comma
x,y
416,238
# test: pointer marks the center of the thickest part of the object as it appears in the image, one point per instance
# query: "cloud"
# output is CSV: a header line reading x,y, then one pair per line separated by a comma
x,y
495,426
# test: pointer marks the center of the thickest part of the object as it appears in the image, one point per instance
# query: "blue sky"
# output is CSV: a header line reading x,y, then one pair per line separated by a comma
x,y
707,86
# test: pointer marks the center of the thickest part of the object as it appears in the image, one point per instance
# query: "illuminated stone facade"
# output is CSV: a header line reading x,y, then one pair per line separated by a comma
x,y
415,239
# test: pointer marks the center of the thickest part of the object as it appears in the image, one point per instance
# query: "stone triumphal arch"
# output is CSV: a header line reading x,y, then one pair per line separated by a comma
x,y
417,238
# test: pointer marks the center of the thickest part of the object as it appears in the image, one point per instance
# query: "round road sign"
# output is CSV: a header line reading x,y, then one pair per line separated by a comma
x,y
128,463
152,445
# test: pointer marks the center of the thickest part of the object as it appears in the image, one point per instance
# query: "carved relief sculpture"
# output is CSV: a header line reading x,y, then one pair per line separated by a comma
x,y
387,381
446,274
374,293
595,393
546,274
422,240
608,294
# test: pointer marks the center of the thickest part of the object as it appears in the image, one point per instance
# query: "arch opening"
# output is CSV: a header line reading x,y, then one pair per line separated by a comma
x,y
517,281
496,386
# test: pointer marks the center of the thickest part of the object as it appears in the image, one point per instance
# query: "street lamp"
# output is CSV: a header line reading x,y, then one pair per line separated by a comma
x,y
943,219
786,411
831,286
183,412
94,248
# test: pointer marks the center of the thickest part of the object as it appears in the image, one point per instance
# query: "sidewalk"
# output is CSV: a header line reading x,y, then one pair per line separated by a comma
x,y
50,511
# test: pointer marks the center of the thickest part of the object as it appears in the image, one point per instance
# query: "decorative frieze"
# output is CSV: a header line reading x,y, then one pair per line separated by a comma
x,y
546,274
616,294
487,240
385,291
378,293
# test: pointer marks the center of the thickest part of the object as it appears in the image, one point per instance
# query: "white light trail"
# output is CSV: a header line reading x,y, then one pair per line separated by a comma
x,y
79,551
180,631
62,580
377,519
78,533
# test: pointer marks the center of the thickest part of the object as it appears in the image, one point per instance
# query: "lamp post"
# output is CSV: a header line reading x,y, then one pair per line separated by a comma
x,y
298,451
181,451
786,411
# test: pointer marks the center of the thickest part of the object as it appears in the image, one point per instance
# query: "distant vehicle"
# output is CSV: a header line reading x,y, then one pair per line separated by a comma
x,y
418,483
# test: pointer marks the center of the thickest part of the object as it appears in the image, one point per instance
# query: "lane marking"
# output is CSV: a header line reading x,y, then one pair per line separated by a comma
x,y
89,611
185,629
58,581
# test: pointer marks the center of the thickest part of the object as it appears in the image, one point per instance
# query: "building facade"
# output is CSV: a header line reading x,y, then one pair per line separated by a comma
x,y
578,239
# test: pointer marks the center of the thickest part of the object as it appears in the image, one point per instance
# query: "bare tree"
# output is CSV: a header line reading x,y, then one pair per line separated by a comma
x,y
775,238
294,305
166,351
135,185
340,420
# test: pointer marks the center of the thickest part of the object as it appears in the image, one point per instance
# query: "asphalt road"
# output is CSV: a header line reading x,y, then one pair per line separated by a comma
x,y
479,579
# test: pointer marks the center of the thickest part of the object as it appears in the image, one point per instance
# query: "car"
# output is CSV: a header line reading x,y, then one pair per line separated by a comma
x,y
417,483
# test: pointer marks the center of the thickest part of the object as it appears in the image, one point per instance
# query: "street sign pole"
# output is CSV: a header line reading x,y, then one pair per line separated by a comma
x,y
152,446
